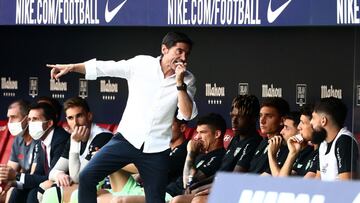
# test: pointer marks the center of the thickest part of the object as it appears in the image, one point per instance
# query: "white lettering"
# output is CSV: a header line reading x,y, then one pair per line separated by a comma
x,y
325,92
9,84
57,12
214,91
347,12
250,196
210,12
58,86
108,86
271,91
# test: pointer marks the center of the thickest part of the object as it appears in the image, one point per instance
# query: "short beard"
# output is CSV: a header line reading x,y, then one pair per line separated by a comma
x,y
318,135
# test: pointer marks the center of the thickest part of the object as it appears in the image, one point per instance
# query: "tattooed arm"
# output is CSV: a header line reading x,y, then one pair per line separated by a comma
x,y
193,149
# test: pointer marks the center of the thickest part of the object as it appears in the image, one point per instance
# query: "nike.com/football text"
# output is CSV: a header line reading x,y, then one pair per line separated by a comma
x,y
213,12
56,12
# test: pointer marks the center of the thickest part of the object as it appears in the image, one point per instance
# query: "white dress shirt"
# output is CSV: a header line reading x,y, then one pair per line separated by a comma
x,y
152,99
47,143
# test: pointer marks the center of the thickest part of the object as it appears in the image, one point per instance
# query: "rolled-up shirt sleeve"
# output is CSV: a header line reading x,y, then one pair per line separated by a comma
x,y
95,68
191,90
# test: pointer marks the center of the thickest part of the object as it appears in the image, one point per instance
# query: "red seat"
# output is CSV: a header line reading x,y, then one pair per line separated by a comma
x,y
106,126
6,140
115,127
357,136
189,133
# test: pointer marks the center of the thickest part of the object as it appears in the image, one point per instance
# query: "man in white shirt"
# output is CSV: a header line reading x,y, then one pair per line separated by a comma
x,y
157,86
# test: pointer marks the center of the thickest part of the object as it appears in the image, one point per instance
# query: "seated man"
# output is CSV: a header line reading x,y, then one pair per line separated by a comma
x,y
86,138
244,114
47,151
290,123
21,151
338,150
204,154
302,158
272,110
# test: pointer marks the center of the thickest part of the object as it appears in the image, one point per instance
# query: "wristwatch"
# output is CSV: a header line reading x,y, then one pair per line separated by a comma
x,y
182,87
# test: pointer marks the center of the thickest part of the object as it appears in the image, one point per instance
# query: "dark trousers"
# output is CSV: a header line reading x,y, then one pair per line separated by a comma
x,y
22,196
117,153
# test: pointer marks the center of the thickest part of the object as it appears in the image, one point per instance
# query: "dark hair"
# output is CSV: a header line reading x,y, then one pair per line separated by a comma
x,y
171,38
76,102
280,104
334,108
215,122
307,110
54,103
294,116
248,104
49,111
24,106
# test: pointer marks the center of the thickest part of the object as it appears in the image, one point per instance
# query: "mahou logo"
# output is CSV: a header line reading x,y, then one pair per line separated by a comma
x,y
271,91
330,92
108,89
214,91
9,86
58,87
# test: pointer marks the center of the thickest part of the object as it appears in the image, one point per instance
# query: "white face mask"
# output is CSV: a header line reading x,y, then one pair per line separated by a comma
x,y
36,130
15,128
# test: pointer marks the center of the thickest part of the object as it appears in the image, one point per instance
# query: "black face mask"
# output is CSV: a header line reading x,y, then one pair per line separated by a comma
x,y
318,135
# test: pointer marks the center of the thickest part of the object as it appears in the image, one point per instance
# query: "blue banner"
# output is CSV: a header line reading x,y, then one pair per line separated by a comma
x,y
245,188
180,12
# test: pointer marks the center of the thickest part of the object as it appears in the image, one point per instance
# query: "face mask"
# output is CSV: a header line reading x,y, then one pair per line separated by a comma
x,y
36,130
15,128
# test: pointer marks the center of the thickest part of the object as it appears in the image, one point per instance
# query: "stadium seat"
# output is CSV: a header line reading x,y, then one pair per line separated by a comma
x,y
115,127
189,133
106,126
6,140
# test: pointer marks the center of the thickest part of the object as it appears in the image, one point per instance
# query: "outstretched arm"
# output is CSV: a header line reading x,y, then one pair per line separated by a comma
x,y
58,70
